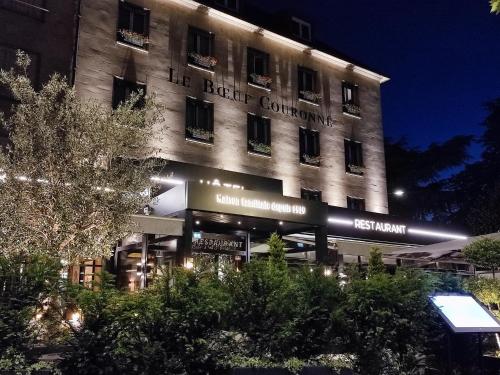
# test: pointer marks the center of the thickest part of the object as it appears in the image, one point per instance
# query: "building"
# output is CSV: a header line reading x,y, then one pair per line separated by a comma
x,y
265,130
46,31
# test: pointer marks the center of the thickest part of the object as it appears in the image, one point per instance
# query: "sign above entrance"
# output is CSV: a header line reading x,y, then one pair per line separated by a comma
x,y
218,243
377,226
265,205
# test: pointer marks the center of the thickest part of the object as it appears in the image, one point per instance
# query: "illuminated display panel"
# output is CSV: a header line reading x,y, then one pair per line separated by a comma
x,y
464,313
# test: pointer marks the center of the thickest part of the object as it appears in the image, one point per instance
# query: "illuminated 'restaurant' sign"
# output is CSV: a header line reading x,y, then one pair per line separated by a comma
x,y
259,204
377,226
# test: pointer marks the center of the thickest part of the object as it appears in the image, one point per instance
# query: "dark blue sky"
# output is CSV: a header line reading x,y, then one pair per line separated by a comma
x,y
443,58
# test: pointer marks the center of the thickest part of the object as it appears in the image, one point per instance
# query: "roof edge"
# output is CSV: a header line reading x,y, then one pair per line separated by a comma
x,y
245,25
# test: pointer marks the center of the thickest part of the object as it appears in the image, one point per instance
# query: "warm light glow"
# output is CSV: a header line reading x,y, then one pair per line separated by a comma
x,y
197,222
328,271
281,223
431,233
189,263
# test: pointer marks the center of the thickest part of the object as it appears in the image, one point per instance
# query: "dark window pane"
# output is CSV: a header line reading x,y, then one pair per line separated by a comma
x,y
295,28
312,195
122,90
199,120
259,134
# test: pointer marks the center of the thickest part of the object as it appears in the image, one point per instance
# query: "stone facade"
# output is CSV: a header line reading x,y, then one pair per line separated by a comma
x,y
164,65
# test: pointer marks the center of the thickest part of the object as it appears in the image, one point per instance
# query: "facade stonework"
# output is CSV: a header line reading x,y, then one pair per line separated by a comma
x,y
165,71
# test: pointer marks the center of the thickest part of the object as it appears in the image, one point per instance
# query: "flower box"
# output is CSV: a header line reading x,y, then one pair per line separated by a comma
x,y
312,160
133,38
201,134
261,80
356,169
260,147
205,61
311,96
352,109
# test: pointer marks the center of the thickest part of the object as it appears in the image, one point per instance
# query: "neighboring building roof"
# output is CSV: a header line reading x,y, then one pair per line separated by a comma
x,y
275,26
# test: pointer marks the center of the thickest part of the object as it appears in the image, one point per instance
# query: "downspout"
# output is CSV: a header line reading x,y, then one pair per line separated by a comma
x,y
75,42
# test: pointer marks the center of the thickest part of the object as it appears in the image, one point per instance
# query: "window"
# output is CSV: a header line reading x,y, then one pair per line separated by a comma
x,y
133,25
122,90
259,134
229,4
199,120
31,8
301,28
89,272
258,68
307,85
350,99
309,147
353,157
357,204
310,195
201,48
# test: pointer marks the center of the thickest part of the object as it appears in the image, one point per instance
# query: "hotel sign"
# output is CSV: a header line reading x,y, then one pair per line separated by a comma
x,y
378,226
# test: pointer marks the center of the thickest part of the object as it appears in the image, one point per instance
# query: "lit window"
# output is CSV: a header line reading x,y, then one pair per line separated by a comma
x,y
258,68
122,90
310,195
309,147
133,25
357,204
301,29
307,85
353,157
199,120
259,135
201,48
350,99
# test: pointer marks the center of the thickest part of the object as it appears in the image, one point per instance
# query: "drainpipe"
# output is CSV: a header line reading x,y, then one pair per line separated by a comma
x,y
75,42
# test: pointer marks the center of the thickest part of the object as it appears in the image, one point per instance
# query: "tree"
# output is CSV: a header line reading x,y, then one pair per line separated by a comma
x,y
73,172
419,172
375,262
484,253
495,6
276,251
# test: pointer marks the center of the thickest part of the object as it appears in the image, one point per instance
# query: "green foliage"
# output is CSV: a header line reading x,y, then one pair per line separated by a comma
x,y
276,251
375,262
495,6
387,316
487,291
26,287
484,252
73,170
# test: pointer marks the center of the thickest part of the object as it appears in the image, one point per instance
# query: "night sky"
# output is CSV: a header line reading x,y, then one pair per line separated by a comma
x,y
443,58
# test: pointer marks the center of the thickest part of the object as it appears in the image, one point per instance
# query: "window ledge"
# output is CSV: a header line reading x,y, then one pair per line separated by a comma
x,y
259,87
201,68
123,44
354,174
310,165
351,115
191,140
260,155
308,102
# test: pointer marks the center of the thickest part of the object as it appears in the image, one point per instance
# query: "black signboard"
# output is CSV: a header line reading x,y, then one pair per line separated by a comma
x,y
218,243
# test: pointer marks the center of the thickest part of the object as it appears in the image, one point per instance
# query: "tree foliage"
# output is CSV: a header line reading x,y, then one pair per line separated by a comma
x,y
375,262
484,253
495,6
73,171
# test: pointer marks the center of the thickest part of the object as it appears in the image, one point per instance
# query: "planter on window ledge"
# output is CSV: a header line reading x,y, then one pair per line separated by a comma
x,y
356,169
207,62
352,109
311,160
261,148
201,134
134,38
261,80
311,96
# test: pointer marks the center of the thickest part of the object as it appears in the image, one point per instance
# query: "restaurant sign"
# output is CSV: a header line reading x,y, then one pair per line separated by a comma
x,y
221,243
